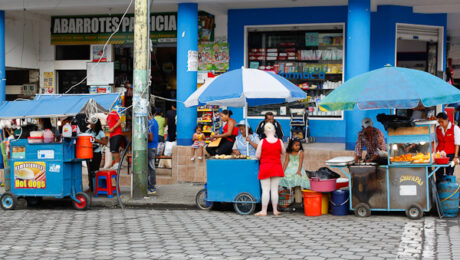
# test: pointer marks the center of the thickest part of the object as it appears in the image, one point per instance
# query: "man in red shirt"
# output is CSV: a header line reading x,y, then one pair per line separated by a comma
x,y
116,137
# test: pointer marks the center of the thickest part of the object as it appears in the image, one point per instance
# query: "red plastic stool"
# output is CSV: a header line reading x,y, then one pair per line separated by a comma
x,y
104,184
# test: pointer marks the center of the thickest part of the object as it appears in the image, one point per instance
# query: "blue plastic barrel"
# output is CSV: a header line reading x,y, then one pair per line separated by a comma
x,y
340,202
449,195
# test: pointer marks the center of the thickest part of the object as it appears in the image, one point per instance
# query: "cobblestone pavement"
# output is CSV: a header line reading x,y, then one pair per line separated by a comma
x,y
194,234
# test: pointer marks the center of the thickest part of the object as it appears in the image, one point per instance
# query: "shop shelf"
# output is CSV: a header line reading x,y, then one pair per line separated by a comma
x,y
204,121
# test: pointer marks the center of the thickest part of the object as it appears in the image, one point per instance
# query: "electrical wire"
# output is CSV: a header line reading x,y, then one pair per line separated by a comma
x,y
105,46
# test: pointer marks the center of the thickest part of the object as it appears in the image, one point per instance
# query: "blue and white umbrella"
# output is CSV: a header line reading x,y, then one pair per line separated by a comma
x,y
246,87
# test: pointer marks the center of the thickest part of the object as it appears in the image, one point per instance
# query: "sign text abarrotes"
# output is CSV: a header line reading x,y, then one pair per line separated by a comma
x,y
164,22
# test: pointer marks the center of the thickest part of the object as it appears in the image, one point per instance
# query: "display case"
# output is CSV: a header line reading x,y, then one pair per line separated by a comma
x,y
209,119
309,56
411,145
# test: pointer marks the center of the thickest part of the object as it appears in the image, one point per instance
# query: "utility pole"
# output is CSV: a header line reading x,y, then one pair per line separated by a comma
x,y
140,97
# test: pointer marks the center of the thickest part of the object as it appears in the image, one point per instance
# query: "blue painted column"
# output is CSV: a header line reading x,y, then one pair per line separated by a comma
x,y
358,40
187,40
2,56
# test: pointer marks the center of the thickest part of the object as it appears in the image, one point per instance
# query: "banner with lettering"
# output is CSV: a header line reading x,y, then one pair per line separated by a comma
x,y
97,29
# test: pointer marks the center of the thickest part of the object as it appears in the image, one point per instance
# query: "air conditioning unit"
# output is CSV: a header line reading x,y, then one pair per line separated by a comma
x,y
29,89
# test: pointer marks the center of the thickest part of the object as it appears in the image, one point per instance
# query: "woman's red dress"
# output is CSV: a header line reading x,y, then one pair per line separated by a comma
x,y
270,160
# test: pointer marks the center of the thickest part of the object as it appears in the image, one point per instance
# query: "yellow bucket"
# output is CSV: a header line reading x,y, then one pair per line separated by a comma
x,y
325,203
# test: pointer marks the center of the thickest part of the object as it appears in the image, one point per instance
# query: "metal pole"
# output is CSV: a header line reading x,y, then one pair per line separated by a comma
x,y
140,97
2,56
247,126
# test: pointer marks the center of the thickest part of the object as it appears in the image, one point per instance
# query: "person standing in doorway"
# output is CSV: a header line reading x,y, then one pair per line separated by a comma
x,y
116,137
152,145
171,123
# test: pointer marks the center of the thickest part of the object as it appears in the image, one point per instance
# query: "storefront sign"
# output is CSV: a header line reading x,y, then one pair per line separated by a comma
x,y
97,29
306,75
29,175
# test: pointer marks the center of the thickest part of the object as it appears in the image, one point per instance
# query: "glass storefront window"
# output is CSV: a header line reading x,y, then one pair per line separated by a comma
x,y
311,57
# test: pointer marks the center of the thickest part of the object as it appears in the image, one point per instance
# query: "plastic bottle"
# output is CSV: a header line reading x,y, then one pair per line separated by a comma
x,y
48,136
67,131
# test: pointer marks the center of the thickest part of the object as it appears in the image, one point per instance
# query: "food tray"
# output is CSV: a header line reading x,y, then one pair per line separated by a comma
x,y
406,162
341,161
426,122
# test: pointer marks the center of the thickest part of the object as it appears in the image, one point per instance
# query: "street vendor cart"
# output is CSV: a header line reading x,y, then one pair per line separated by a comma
x,y
405,184
35,170
231,181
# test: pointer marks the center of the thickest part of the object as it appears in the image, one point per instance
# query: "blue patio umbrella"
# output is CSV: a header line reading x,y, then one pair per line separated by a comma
x,y
390,87
246,87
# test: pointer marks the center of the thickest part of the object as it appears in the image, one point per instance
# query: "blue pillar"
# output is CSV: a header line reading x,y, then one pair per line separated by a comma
x,y
358,39
187,40
2,56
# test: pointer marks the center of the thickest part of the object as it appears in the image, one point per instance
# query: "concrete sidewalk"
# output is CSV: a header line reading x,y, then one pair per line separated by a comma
x,y
173,196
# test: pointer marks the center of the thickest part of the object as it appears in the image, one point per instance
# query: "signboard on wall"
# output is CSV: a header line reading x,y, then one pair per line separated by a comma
x,y
97,29
48,83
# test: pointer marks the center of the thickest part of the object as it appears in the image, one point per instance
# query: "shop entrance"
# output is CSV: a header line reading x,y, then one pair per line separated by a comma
x,y
420,47
163,70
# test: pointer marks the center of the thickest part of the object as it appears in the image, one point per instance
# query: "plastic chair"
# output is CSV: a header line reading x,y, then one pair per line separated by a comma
x,y
104,184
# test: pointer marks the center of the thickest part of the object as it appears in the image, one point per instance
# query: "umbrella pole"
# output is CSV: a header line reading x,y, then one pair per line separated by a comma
x,y
245,115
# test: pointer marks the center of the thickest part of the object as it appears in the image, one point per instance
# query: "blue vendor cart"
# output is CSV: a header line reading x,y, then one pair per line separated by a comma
x,y
43,170
232,181
38,170
402,185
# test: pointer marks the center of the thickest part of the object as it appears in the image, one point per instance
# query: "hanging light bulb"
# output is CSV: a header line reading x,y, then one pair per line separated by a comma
x,y
395,147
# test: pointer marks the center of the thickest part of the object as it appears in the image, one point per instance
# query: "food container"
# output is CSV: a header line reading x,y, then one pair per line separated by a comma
x,y
444,160
35,140
36,134
319,185
341,183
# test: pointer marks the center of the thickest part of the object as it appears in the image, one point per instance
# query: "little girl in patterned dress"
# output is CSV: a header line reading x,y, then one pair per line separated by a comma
x,y
198,142
295,176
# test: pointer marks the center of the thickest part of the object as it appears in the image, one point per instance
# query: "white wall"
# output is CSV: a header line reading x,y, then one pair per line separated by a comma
x,y
22,40
221,26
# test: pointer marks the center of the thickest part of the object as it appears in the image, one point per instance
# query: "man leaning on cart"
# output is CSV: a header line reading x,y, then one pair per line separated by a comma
x,y
374,141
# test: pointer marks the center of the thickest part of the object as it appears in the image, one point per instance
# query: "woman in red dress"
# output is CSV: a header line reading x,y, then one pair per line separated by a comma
x,y
269,153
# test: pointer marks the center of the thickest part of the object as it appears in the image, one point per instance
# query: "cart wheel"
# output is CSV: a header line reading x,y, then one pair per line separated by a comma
x,y
246,204
84,199
414,212
201,201
362,210
33,201
8,201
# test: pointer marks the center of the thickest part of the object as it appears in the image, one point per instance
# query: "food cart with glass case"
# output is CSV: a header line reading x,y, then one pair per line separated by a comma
x,y
405,184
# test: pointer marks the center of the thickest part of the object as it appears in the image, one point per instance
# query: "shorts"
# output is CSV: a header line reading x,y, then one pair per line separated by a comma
x,y
115,143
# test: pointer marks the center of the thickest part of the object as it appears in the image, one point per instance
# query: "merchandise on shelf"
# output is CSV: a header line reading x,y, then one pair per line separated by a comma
x,y
209,119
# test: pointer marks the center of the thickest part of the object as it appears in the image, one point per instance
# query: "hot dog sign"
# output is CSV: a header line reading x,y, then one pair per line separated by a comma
x,y
29,175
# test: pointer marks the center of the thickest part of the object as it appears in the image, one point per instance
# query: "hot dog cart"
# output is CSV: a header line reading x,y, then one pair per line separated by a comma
x,y
405,184
36,169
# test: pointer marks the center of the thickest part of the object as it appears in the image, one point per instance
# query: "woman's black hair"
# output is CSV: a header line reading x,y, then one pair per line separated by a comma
x,y
198,126
47,123
97,126
291,144
228,113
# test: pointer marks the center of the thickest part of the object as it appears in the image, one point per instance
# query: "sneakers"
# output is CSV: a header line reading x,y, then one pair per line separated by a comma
x,y
152,191
114,167
193,159
200,158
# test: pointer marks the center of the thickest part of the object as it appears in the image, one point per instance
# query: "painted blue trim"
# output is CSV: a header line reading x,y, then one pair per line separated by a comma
x,y
2,57
408,139
187,40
